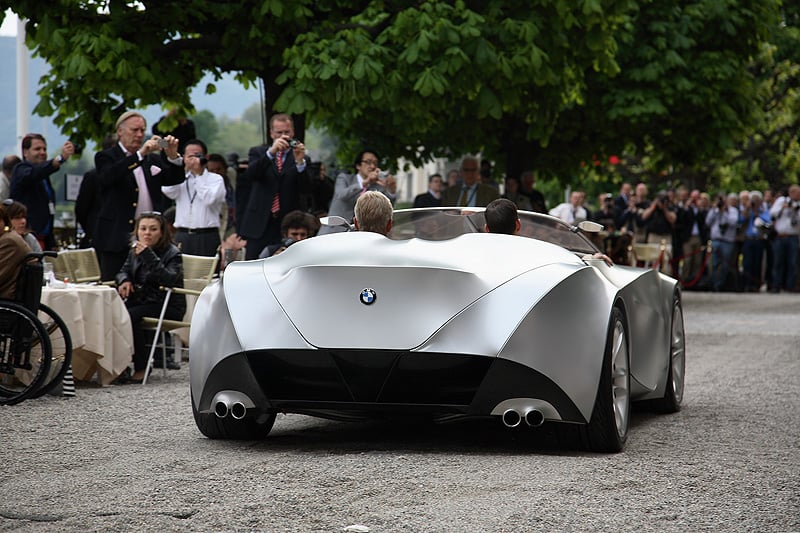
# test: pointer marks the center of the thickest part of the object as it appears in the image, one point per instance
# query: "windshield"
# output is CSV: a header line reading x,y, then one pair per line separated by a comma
x,y
439,224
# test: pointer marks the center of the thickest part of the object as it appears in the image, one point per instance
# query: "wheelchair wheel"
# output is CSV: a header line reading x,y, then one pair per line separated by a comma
x,y
25,353
61,346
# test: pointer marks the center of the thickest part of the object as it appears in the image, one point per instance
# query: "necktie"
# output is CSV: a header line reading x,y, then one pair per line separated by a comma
x,y
276,205
276,201
462,198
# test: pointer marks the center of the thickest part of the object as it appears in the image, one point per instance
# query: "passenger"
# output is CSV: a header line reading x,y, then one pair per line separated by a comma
x,y
153,262
502,217
373,212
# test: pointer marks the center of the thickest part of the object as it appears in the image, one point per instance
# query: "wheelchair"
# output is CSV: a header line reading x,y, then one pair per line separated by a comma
x,y
35,345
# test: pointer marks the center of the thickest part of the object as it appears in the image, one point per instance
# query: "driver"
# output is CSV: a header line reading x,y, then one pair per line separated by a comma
x,y
502,217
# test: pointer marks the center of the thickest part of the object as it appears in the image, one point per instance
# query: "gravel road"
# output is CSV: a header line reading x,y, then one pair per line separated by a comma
x,y
129,458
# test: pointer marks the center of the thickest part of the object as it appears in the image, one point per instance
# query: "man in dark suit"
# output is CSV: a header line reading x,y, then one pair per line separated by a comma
x,y
472,193
130,175
277,180
30,185
433,197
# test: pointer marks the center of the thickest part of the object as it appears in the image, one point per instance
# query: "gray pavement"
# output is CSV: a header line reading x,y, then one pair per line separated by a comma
x,y
129,458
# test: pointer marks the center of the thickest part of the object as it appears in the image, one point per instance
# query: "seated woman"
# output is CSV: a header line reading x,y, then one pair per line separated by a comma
x,y
18,214
12,251
153,262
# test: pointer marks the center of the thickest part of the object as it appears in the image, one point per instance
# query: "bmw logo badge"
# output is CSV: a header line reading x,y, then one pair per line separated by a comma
x,y
368,296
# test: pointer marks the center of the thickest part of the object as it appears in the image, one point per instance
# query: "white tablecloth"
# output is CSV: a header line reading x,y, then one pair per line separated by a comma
x,y
100,328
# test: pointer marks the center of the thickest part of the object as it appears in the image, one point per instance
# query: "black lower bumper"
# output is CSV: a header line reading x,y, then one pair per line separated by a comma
x,y
372,382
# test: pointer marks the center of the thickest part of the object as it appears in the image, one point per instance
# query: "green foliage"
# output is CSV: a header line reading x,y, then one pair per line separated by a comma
x,y
546,84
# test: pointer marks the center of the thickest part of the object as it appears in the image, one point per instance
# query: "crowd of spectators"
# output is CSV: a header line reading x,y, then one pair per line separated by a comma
x,y
744,242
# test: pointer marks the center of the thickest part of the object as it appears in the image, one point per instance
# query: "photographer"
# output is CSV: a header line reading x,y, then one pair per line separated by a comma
x,y
296,226
198,203
723,220
785,214
277,180
756,224
30,185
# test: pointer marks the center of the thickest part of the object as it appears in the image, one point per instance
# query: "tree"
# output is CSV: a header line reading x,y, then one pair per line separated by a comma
x,y
439,74
546,83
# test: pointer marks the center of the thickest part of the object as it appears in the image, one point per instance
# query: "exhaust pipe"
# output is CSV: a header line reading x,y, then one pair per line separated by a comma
x,y
511,418
221,409
238,410
534,418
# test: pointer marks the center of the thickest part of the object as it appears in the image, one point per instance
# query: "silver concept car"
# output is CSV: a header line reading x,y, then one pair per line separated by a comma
x,y
440,320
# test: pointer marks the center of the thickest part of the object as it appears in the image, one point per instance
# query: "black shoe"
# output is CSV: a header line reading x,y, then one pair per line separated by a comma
x,y
171,364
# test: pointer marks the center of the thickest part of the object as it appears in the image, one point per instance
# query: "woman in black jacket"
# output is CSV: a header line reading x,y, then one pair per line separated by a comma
x,y
152,262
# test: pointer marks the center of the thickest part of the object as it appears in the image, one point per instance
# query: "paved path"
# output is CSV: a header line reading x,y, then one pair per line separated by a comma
x,y
129,458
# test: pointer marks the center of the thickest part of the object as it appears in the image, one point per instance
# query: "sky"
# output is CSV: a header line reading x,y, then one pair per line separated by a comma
x,y
9,27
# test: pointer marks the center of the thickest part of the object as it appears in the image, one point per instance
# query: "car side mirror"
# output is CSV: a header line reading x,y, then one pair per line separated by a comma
x,y
589,226
335,221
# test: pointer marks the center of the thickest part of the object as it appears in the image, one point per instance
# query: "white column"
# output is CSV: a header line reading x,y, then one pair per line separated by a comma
x,y
23,110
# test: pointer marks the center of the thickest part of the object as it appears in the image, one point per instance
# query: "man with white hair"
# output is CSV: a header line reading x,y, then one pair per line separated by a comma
x,y
130,175
472,192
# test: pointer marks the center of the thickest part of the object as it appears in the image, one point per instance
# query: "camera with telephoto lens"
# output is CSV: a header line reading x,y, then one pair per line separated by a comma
x,y
287,242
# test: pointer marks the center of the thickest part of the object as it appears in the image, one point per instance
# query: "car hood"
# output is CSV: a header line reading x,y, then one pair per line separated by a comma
x,y
419,286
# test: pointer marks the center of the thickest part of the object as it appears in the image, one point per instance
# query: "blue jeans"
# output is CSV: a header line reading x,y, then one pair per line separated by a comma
x,y
721,256
784,251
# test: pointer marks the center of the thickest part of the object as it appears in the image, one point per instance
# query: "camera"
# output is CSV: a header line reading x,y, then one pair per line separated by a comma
x,y
795,205
293,143
287,242
163,143
78,146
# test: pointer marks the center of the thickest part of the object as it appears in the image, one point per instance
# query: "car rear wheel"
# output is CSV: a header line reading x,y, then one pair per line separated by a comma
x,y
676,373
607,430
251,427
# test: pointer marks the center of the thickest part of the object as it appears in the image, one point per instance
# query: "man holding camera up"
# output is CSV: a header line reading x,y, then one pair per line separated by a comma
x,y
30,185
277,182
198,203
785,214
130,176
723,220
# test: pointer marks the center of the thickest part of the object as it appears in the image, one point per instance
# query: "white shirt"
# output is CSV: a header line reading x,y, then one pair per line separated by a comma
x,y
568,212
198,200
782,214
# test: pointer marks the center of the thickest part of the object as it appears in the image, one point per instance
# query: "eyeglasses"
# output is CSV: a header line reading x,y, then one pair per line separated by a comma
x,y
370,162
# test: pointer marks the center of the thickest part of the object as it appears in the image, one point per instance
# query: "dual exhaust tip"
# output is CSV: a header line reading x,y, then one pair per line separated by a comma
x,y
236,410
513,418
